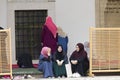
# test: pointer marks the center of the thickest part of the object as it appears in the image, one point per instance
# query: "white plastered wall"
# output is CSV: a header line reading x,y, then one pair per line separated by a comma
x,y
75,17
3,13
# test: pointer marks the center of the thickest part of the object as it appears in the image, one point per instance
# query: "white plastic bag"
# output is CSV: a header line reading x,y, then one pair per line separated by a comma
x,y
68,70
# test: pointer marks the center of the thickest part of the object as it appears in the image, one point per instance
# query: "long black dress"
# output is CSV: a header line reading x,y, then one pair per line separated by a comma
x,y
83,63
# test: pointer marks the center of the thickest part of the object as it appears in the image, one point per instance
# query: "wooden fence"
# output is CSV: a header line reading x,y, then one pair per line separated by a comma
x,y
5,52
104,50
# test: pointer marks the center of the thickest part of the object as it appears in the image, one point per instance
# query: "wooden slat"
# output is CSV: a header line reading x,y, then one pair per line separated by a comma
x,y
5,52
104,50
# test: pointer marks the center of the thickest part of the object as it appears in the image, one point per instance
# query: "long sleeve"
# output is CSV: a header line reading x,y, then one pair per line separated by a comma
x,y
46,59
42,58
65,57
54,57
82,58
79,59
66,39
71,57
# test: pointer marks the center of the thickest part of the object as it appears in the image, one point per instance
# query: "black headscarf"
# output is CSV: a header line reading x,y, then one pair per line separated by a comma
x,y
59,55
80,53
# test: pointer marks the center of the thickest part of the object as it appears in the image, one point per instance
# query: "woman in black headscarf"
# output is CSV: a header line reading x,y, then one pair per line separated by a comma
x,y
59,62
79,60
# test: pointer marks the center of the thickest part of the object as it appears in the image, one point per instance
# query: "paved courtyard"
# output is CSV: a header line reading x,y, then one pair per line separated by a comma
x,y
80,78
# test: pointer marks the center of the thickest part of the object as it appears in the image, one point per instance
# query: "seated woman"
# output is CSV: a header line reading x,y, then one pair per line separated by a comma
x,y
25,60
59,62
45,62
79,60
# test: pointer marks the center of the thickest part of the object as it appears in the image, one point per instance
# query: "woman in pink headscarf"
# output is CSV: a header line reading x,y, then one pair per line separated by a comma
x,y
45,62
49,34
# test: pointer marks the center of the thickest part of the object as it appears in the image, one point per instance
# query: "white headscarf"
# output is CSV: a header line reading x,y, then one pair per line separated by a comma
x,y
61,32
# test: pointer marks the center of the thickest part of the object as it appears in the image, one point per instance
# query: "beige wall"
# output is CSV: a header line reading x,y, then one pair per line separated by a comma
x,y
112,14
24,5
107,13
99,10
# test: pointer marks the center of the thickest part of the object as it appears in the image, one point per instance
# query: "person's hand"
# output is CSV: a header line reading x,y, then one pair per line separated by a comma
x,y
49,52
74,62
59,63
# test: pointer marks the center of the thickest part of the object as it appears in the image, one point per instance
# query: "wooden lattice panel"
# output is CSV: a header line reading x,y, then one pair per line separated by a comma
x,y
104,50
5,52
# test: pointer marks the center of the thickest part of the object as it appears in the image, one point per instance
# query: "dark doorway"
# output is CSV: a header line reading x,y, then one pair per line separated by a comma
x,y
28,25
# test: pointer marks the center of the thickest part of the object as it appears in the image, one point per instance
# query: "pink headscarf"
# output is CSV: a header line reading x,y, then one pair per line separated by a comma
x,y
51,26
44,51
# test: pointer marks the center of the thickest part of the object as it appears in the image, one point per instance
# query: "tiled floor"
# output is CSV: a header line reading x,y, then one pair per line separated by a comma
x,y
81,78
89,78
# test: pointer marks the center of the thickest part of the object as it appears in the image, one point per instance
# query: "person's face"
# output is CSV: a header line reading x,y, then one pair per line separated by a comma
x,y
59,49
77,49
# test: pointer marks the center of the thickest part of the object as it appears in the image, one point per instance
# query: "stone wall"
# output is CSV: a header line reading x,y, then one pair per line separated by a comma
x,y
107,13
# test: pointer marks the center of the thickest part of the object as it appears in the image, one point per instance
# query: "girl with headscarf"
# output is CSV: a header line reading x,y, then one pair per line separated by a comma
x,y
45,62
59,62
79,60
63,40
49,34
